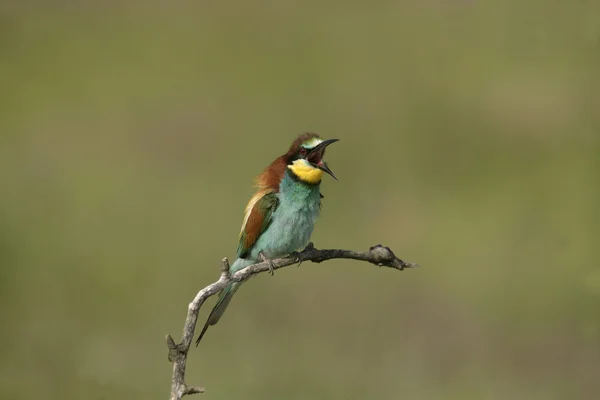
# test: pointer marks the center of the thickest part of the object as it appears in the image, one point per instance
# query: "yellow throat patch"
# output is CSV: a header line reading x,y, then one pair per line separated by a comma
x,y
306,172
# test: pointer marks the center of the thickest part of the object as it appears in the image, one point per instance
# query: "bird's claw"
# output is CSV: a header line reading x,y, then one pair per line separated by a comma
x,y
271,265
271,268
297,257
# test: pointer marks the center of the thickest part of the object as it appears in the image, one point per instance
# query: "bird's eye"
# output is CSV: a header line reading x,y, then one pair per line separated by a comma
x,y
302,151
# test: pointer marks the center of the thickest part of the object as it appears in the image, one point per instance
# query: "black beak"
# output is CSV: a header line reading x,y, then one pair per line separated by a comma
x,y
316,156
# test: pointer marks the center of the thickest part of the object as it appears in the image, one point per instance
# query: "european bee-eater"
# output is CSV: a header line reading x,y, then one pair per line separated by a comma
x,y
280,217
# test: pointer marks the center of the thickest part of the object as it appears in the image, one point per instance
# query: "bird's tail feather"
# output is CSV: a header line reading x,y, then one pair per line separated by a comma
x,y
219,308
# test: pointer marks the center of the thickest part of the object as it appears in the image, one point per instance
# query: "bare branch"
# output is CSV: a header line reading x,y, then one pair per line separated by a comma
x,y
379,255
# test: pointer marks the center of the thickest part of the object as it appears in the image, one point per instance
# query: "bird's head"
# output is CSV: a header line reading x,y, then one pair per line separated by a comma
x,y
305,157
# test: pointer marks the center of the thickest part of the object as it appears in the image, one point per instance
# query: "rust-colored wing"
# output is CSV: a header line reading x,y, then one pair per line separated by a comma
x,y
259,214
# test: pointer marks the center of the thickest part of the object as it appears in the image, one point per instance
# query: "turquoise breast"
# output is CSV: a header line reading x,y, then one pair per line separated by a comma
x,y
293,220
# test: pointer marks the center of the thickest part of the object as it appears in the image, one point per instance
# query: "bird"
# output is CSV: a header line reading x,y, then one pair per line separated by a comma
x,y
280,217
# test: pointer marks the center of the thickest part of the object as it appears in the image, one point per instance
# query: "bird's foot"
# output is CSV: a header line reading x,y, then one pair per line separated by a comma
x,y
262,258
298,255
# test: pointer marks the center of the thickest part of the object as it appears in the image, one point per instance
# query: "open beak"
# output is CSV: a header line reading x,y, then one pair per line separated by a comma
x,y
316,156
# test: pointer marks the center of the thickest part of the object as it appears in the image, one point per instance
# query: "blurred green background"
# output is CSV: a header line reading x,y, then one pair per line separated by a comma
x,y
130,136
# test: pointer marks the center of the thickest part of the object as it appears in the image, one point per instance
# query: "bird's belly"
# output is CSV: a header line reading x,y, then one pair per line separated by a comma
x,y
288,232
